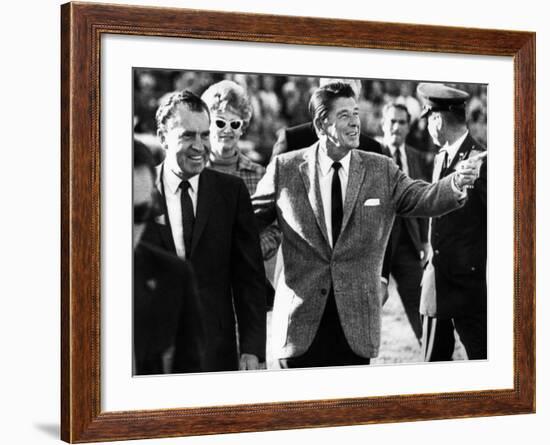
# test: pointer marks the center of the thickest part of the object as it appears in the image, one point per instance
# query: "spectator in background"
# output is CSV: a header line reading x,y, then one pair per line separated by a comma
x,y
411,103
231,112
146,102
409,235
164,287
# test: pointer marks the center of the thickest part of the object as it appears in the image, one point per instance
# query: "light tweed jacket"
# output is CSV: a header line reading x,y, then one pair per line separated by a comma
x,y
377,190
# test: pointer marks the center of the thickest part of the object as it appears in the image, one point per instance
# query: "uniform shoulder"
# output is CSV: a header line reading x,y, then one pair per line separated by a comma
x,y
476,145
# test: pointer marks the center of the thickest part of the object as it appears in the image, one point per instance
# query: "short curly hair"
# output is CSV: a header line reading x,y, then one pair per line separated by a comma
x,y
170,102
228,96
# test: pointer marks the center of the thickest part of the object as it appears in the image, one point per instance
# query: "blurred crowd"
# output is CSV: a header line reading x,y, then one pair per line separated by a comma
x,y
279,102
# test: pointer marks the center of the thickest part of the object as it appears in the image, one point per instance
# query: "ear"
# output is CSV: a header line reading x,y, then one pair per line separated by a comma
x,y
319,126
160,135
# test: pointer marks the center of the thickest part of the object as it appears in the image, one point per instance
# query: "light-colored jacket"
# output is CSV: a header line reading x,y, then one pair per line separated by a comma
x,y
377,190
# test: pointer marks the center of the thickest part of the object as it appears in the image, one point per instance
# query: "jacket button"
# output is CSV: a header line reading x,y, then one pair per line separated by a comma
x,y
473,269
323,291
436,252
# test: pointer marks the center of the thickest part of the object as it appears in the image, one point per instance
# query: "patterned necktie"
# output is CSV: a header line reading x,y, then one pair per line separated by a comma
x,y
187,216
337,206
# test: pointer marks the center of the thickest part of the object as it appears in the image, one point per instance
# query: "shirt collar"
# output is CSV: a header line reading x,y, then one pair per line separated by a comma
x,y
172,181
452,149
402,151
325,162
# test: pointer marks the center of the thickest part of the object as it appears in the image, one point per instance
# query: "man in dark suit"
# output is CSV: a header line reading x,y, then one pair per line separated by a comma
x,y
409,235
207,218
454,287
164,286
335,208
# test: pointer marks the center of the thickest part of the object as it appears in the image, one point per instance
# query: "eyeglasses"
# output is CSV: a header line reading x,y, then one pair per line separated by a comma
x,y
222,123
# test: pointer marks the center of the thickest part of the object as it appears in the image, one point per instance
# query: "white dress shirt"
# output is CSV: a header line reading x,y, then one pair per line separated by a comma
x,y
403,155
451,153
172,190
325,172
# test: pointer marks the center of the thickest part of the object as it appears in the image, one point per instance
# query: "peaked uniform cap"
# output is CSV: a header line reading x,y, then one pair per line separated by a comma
x,y
440,97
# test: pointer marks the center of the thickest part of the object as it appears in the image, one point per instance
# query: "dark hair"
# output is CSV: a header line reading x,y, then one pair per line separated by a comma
x,y
170,103
397,106
143,157
456,116
323,97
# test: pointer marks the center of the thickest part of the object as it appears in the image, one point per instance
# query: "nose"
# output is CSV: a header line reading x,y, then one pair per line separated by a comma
x,y
355,121
198,144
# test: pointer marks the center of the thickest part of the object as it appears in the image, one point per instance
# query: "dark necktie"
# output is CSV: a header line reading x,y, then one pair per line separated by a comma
x,y
444,164
187,216
337,207
398,161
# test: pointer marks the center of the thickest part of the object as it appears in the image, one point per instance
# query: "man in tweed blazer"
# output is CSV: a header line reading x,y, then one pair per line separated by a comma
x,y
328,301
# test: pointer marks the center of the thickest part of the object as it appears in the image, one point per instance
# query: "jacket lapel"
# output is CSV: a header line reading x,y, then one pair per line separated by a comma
x,y
355,179
462,153
310,176
205,202
165,230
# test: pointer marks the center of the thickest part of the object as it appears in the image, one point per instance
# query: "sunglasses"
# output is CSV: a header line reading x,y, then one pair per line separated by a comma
x,y
222,123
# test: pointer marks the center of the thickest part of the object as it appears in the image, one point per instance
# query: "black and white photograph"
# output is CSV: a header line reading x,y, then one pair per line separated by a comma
x,y
285,221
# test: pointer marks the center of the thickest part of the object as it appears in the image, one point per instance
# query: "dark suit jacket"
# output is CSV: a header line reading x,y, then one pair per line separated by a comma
x,y
459,242
227,260
164,289
416,228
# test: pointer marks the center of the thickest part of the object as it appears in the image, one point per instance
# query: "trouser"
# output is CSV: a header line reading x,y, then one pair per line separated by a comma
x,y
438,339
329,347
406,269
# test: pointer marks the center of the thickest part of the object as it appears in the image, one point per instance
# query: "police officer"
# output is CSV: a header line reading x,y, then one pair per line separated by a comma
x,y
454,287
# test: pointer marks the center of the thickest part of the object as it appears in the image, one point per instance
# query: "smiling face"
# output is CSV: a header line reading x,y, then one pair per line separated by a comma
x,y
395,126
186,139
226,128
340,129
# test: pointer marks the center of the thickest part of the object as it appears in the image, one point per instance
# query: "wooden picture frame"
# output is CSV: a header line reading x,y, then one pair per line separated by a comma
x,y
82,26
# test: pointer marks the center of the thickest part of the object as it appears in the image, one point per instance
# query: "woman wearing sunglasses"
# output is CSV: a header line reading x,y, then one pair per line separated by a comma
x,y
230,114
